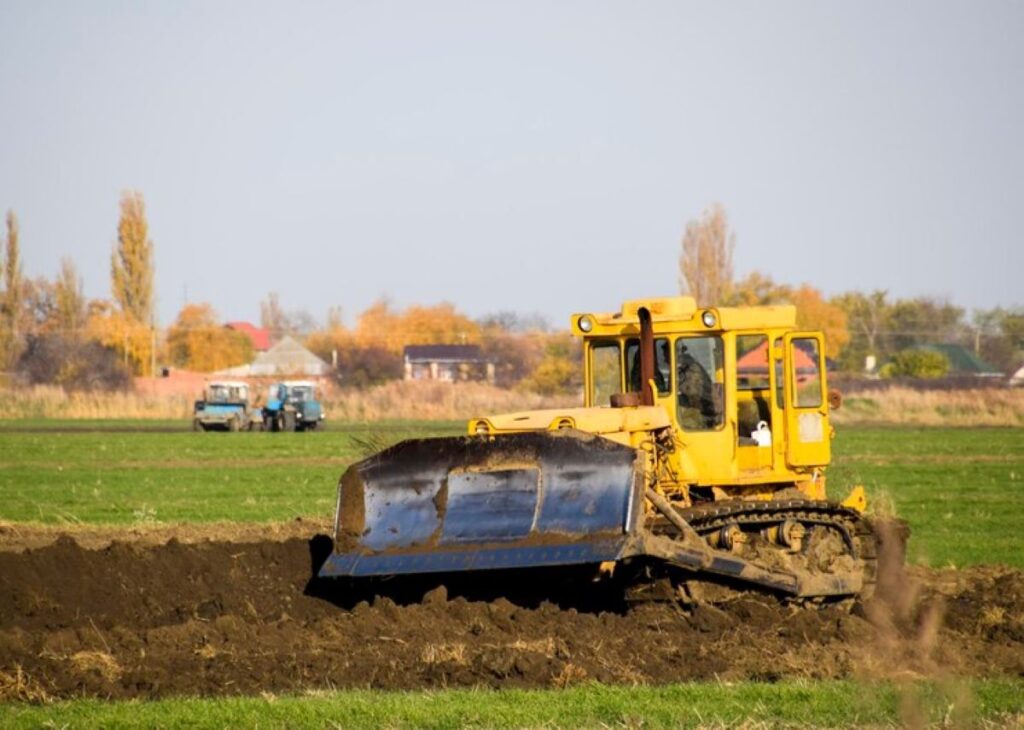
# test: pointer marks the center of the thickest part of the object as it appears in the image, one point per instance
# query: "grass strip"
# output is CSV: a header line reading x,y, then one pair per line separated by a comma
x,y
785,704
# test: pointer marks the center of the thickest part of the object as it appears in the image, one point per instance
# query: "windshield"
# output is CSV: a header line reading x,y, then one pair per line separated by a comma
x,y
300,393
700,378
662,366
226,393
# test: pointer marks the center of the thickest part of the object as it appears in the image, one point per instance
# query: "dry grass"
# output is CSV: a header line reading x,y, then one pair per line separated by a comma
x,y
435,401
392,401
974,407
47,401
444,654
99,662
445,401
16,686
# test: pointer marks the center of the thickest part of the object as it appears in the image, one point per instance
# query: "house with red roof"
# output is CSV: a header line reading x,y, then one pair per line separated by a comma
x,y
258,336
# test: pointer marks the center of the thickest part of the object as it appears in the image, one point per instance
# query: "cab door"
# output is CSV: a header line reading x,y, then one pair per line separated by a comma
x,y
808,433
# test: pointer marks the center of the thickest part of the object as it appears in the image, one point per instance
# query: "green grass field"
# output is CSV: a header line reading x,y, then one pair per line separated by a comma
x,y
962,490
786,704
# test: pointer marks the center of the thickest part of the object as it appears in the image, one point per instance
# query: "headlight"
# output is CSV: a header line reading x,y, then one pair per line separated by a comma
x,y
709,319
481,428
585,323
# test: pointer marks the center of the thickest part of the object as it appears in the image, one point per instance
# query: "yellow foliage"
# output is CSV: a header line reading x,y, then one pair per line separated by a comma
x,y
131,266
442,324
130,338
197,342
814,313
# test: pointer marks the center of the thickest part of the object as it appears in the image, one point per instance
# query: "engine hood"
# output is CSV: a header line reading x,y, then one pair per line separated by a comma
x,y
597,421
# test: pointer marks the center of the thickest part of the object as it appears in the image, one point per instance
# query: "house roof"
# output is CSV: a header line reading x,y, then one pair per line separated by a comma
x,y
259,336
442,353
288,357
756,360
961,360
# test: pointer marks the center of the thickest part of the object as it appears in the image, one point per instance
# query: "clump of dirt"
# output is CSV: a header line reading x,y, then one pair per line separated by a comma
x,y
135,619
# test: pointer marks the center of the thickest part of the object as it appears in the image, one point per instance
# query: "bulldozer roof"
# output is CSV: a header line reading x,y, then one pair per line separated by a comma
x,y
682,314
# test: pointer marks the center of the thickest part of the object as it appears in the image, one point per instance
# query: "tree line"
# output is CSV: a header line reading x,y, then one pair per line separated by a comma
x,y
860,327
51,333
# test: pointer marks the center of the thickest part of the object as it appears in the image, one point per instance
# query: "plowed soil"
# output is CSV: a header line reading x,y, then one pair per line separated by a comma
x,y
137,619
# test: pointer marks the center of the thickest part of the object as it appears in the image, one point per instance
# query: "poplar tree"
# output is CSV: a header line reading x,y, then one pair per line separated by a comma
x,y
10,305
705,265
69,300
131,270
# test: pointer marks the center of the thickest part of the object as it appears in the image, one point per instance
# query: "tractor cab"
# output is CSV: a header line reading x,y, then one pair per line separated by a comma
x,y
225,406
227,392
744,390
292,405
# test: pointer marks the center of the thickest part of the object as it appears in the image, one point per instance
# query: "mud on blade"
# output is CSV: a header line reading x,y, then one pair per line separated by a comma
x,y
519,500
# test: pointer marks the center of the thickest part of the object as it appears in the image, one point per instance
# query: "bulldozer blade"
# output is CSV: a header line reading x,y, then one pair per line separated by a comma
x,y
515,501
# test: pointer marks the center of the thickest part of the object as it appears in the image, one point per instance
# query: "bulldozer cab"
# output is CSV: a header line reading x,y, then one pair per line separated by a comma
x,y
744,390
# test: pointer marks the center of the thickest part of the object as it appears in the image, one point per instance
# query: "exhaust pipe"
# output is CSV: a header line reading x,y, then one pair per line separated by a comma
x,y
646,357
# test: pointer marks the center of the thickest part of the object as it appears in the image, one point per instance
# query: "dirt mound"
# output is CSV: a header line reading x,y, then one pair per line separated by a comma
x,y
143,620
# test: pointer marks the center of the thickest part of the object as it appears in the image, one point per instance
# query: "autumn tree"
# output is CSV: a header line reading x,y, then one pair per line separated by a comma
x,y
128,327
196,341
131,268
69,300
757,289
441,324
705,266
814,313
560,371
514,344
11,302
867,316
73,363
131,339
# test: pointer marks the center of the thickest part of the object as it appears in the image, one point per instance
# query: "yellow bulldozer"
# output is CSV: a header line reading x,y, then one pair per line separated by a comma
x,y
699,455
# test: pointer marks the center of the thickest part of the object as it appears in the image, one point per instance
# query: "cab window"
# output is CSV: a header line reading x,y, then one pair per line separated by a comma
x,y
662,365
700,383
753,383
752,362
807,371
606,373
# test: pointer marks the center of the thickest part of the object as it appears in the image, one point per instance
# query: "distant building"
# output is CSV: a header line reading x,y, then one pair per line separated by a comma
x,y
1017,379
287,358
258,336
962,361
447,363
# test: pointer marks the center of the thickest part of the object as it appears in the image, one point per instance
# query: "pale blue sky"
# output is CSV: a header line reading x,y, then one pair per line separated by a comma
x,y
534,156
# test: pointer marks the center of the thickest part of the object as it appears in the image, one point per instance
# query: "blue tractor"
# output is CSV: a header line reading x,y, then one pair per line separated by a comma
x,y
225,407
292,406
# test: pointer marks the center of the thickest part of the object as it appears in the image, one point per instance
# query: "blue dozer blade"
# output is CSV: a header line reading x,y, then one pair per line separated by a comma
x,y
515,501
